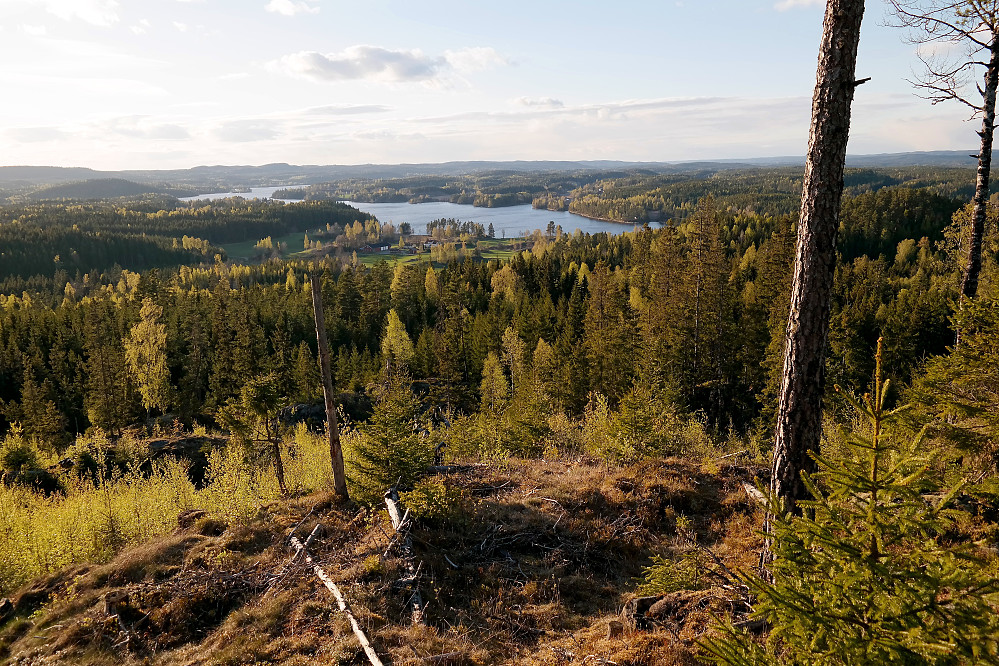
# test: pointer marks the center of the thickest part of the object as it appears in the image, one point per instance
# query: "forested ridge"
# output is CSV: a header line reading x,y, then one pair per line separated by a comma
x,y
640,198
642,366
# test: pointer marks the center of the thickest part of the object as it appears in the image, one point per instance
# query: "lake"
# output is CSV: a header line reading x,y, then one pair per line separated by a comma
x,y
510,221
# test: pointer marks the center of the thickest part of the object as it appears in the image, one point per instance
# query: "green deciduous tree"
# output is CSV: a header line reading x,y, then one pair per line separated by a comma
x,y
397,348
494,390
145,350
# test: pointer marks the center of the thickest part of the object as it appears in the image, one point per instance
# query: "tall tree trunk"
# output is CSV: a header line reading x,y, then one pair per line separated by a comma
x,y
275,443
336,452
799,412
973,267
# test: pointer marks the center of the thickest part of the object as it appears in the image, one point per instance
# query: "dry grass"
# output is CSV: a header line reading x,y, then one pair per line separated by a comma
x,y
530,568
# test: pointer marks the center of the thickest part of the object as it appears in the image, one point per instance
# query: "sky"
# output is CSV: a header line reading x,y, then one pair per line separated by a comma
x,y
162,84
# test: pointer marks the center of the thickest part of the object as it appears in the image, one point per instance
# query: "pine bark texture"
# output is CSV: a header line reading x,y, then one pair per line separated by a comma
x,y
336,452
973,268
799,415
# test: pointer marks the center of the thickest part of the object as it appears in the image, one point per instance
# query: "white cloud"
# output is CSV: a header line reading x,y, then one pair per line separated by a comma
x,y
347,110
141,27
33,30
95,12
784,5
540,102
182,27
142,127
361,62
473,59
36,134
380,64
243,131
291,7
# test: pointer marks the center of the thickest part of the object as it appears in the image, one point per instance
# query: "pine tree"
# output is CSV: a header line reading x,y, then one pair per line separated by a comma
x,y
609,336
106,400
705,290
799,411
43,423
252,419
959,391
305,375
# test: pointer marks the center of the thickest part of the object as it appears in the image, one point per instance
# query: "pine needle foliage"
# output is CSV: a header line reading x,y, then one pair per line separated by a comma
x,y
867,575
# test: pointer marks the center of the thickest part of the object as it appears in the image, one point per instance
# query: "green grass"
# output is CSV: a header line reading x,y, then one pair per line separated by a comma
x,y
374,257
499,254
246,249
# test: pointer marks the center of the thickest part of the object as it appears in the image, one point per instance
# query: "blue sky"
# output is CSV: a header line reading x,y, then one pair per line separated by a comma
x,y
124,84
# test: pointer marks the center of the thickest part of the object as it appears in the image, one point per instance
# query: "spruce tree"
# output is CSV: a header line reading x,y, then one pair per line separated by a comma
x,y
869,574
390,451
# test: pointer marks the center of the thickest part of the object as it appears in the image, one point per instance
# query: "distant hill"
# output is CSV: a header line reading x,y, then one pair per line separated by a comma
x,y
38,175
937,158
102,188
931,158
222,178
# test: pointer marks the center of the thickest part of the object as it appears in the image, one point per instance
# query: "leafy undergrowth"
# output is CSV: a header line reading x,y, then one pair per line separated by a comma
x,y
522,561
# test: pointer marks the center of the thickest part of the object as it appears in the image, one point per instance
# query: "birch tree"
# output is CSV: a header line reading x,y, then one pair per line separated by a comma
x,y
145,351
959,41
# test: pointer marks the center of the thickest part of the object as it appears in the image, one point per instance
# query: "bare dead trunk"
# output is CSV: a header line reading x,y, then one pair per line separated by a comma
x,y
973,267
411,579
279,465
336,452
799,413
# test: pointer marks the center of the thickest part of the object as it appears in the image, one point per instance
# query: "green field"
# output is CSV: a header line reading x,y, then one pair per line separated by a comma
x,y
494,248
245,250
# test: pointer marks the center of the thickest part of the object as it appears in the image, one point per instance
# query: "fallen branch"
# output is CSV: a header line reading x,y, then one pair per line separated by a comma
x,y
277,580
401,526
446,658
341,601
453,469
755,494
733,455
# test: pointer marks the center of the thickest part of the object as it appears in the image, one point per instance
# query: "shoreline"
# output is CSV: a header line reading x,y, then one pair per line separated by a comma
x,y
601,219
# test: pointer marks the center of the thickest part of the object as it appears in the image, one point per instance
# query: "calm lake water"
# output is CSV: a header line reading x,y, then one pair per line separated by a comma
x,y
511,221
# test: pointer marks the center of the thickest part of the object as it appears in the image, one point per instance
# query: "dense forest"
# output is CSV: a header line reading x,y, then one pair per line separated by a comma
x,y
683,289
79,241
123,321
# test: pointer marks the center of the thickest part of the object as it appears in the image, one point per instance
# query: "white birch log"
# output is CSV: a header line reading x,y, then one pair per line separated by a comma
x,y
341,601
